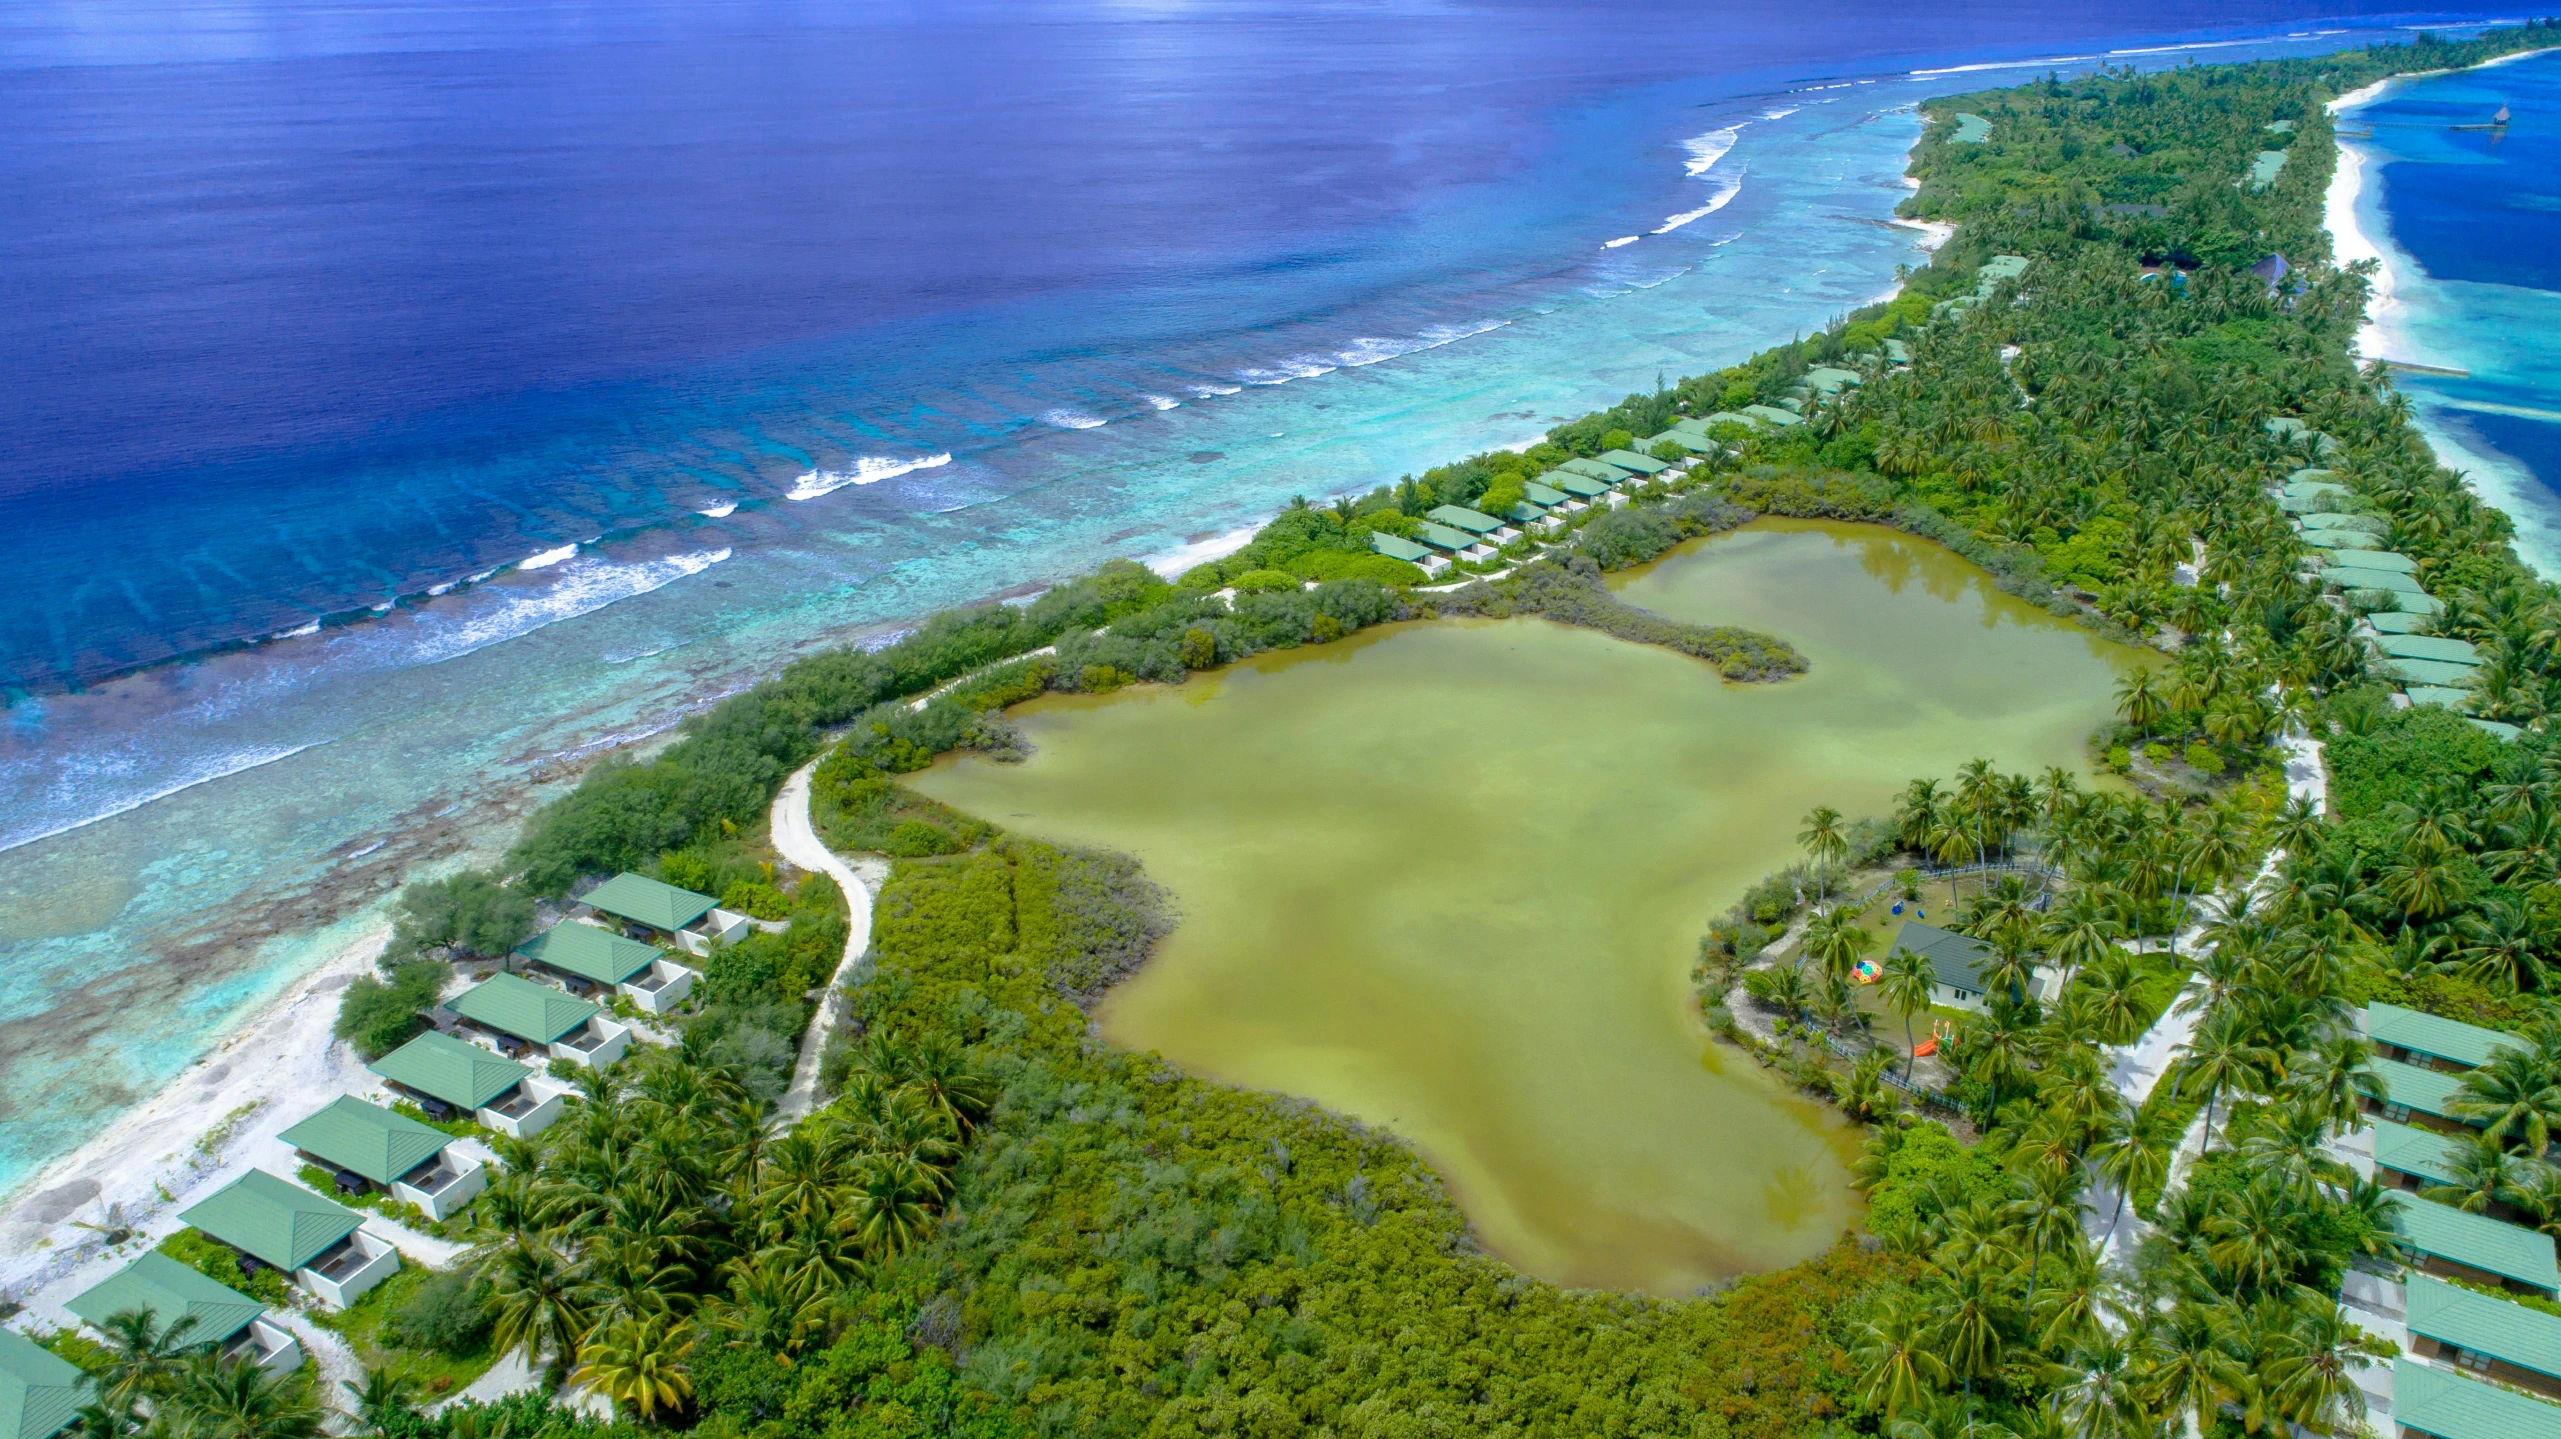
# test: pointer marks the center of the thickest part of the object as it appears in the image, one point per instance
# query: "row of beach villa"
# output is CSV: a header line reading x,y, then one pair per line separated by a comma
x,y
469,1068
1453,533
2346,551
2475,1363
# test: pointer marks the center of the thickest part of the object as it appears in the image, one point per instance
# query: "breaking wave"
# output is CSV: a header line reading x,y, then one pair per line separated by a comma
x,y
1705,150
1067,419
1733,186
868,470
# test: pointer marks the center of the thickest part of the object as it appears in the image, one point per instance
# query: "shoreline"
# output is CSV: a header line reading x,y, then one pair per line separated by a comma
x,y
2496,478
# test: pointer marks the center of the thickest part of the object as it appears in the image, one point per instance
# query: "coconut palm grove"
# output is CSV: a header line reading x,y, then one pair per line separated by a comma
x,y
2234,1117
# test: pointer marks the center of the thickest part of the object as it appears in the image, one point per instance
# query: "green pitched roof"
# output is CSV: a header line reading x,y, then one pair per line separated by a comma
x,y
1693,441
513,1004
1442,537
2377,560
1539,494
1633,462
2357,540
1775,415
2428,647
1525,513
643,900
2452,699
2395,622
589,952
1829,379
1573,484
1458,518
2412,1150
2357,577
367,1139
2415,1029
2475,1241
167,1291
2444,673
1397,548
456,1071
2443,1403
1726,417
2426,1090
1954,958
2467,1319
1593,470
40,1391
284,1224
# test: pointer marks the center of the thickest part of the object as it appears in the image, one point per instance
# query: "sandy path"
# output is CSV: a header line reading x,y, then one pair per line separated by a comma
x,y
799,843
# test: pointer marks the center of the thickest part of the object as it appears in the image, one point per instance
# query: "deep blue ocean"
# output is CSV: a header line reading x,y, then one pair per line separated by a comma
x,y
397,398
2469,222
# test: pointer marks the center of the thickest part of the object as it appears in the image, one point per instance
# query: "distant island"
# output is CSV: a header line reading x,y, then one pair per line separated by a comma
x,y
2180,1090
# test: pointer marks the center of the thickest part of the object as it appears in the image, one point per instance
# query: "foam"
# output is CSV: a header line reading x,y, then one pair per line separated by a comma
x,y
299,631
1732,186
1622,240
867,470
1296,367
1705,150
1200,552
583,586
1780,112
1161,402
720,511
1212,391
545,559
205,771
1067,419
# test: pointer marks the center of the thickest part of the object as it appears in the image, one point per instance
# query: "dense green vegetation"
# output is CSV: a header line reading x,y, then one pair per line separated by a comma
x,y
1002,1225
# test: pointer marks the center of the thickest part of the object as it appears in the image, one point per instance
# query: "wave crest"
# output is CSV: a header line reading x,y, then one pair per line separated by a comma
x,y
867,470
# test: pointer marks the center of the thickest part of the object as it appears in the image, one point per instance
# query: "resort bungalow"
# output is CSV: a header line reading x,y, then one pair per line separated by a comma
x,y
1457,542
516,1013
2450,1243
235,1325
1694,441
2416,1037
691,922
1772,414
2358,577
455,1076
364,1145
1486,528
289,1228
1535,518
1956,964
1397,548
2432,674
1595,471
2437,648
40,1392
1644,467
2411,1158
1829,380
2433,1403
1569,482
2481,1335
583,955
2412,1095
1554,500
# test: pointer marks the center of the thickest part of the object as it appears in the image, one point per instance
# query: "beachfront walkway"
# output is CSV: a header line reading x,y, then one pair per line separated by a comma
x,y
797,842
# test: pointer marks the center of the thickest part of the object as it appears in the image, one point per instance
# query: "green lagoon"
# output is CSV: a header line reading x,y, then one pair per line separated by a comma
x,y
1449,878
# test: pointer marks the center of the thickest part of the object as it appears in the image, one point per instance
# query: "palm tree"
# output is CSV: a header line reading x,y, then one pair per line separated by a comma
x,y
1905,983
2101,1400
2047,1215
2481,1174
2514,1096
2132,1157
1897,1357
144,1358
941,1073
2139,702
387,1397
887,1213
2309,1368
540,1300
2078,932
1824,844
2183,1366
2217,1057
638,1361
1969,1314
215,1399
1836,938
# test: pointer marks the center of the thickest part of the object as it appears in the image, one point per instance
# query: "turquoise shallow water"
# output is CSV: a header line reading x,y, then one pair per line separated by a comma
x,y
2469,221
267,799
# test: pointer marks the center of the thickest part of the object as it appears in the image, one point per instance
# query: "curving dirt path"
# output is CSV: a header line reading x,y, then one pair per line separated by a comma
x,y
797,842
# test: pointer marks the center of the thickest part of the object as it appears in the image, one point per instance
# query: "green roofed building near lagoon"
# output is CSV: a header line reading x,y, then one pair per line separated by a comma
x,y
1772,414
2352,578
1442,537
2410,1090
1678,438
393,1152
592,954
40,1392
1580,486
2449,1241
1594,471
318,1241
1635,464
2416,1036
567,1027
2428,647
457,1075
2408,1157
2436,673
169,1291
2502,1340
1457,518
692,922
1396,547
2441,1404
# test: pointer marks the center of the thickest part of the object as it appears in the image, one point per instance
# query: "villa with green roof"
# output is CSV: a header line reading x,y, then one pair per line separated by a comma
x,y
235,1324
448,1076
2448,1242
1574,483
1644,467
1693,441
2433,1403
2481,1335
367,1145
2416,1037
320,1242
518,1013
1595,471
2412,1095
1483,526
2408,1157
40,1392
691,922
581,954
1398,548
